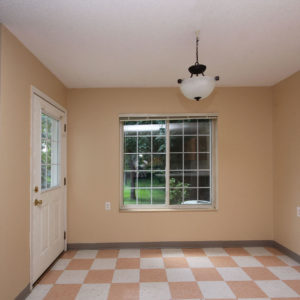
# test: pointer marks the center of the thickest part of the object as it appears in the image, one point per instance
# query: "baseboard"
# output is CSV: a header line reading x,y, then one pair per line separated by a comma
x,y
187,244
192,244
24,293
287,252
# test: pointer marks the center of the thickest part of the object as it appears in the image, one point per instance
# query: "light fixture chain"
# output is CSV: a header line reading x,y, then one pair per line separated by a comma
x,y
197,45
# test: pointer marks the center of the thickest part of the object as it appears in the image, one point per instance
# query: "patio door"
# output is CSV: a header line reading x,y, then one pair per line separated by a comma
x,y
48,184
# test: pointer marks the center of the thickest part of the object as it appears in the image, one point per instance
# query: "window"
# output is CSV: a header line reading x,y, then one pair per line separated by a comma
x,y
49,152
168,162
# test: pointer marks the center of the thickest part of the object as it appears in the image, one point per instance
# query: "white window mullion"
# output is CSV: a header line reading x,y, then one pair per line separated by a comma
x,y
197,158
210,161
167,175
151,171
183,164
137,170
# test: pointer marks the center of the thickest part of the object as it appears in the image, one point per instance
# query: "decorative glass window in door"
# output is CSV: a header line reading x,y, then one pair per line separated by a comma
x,y
50,156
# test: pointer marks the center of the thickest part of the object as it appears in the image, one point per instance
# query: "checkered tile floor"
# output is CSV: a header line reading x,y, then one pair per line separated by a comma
x,y
208,273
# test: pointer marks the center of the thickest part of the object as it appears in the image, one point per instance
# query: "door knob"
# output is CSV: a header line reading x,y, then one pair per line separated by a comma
x,y
38,202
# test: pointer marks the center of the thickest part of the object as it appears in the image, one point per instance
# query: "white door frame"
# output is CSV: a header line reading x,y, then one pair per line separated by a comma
x,y
35,91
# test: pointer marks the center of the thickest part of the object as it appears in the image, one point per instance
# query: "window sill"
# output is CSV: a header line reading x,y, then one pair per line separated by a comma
x,y
167,209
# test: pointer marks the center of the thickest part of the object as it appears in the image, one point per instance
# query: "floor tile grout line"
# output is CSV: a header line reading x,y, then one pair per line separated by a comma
x,y
209,256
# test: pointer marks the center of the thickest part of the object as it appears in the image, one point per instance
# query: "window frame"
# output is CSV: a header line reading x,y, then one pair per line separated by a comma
x,y
213,160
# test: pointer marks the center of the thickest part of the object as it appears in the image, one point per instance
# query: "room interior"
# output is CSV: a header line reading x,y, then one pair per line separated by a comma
x,y
257,103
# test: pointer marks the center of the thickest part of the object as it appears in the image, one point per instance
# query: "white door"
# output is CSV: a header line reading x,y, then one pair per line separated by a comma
x,y
48,185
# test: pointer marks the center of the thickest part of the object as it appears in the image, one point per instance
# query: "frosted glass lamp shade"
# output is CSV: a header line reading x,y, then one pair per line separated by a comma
x,y
198,87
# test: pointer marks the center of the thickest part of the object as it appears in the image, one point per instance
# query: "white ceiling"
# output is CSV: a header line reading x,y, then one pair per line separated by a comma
x,y
151,43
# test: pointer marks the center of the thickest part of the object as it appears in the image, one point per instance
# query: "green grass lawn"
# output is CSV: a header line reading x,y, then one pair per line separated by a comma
x,y
144,195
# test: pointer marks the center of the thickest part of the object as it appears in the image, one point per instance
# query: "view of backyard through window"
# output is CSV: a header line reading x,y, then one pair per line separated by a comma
x,y
167,155
49,152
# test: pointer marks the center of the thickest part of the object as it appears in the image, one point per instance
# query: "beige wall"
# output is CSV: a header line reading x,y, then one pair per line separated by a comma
x,y
287,162
245,167
19,70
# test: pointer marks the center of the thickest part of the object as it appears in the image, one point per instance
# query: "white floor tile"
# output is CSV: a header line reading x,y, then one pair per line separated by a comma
x,y
199,262
39,292
152,263
172,252
254,299
93,291
61,264
104,264
154,290
276,288
285,273
86,254
215,252
72,276
258,251
179,274
215,289
289,261
129,253
247,261
233,274
122,276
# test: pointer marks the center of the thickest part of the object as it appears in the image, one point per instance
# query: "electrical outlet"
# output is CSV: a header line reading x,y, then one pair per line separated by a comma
x,y
298,211
107,205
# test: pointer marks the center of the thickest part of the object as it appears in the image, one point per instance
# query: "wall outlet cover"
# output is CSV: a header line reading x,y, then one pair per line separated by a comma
x,y
107,206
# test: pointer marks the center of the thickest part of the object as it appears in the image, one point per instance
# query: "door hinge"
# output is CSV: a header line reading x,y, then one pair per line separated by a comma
x,y
65,127
65,235
65,181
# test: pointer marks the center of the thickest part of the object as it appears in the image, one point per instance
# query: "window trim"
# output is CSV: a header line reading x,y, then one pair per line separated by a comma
x,y
213,206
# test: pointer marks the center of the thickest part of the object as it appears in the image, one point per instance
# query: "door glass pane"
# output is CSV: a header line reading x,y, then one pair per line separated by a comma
x,y
50,152
44,177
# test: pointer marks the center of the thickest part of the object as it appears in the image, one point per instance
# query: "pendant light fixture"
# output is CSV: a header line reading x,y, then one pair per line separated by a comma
x,y
198,87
